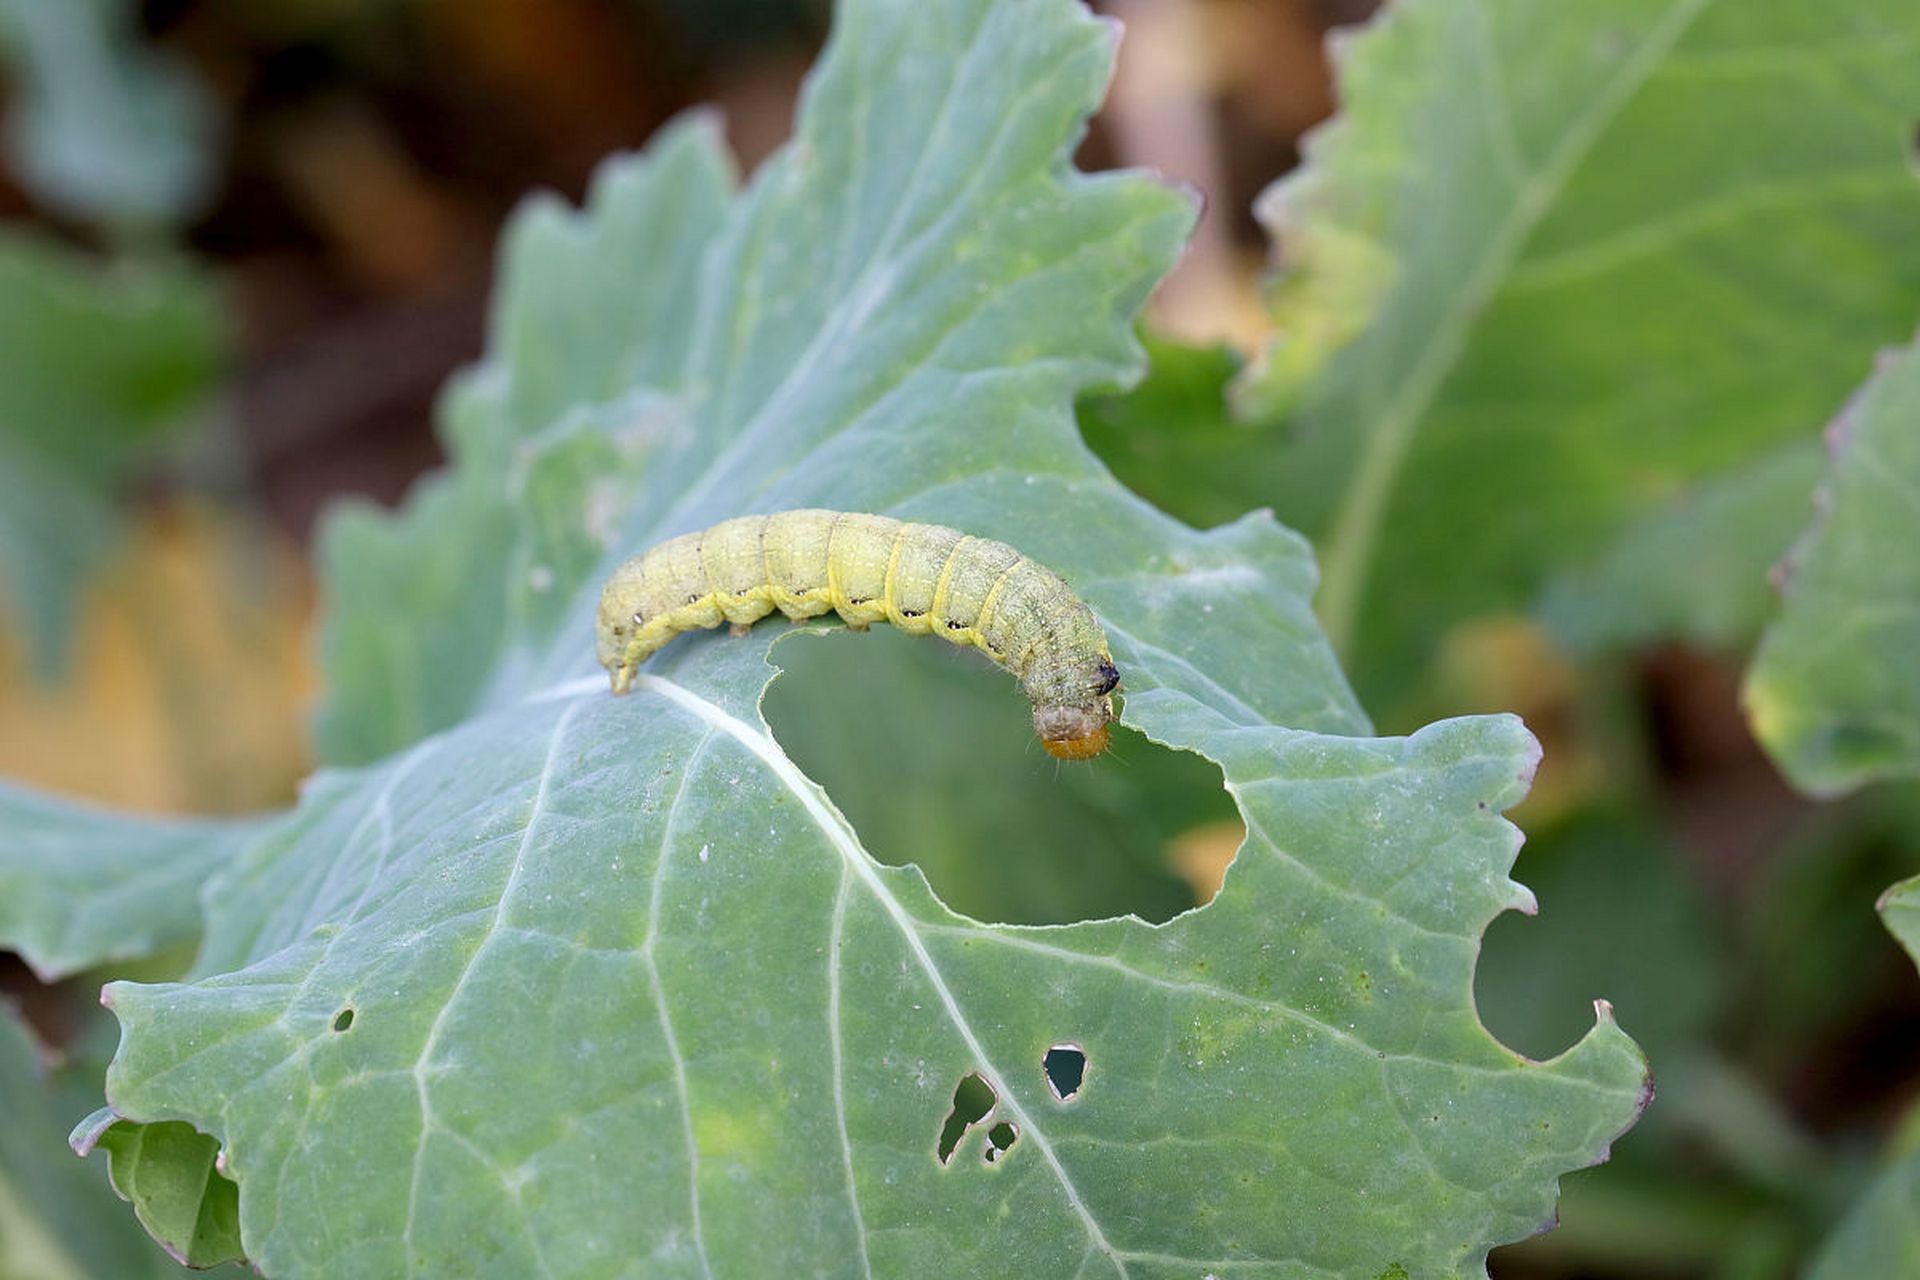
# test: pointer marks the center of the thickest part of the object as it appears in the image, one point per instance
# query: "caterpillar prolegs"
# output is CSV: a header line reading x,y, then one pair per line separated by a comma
x,y
923,578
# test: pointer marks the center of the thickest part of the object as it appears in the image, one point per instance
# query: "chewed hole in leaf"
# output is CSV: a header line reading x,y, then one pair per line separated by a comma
x,y
343,1019
1000,1140
1066,1070
973,1099
907,733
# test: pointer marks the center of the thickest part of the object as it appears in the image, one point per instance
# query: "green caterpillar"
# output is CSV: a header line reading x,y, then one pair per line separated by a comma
x,y
922,578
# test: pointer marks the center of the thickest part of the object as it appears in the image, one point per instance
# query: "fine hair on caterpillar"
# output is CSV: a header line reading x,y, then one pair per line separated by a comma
x,y
925,579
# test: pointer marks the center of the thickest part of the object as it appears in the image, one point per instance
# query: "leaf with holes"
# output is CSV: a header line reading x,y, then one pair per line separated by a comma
x,y
593,986
1552,264
1834,693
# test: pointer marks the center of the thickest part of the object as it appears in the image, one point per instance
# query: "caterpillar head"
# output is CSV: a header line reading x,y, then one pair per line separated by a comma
x,y
1072,713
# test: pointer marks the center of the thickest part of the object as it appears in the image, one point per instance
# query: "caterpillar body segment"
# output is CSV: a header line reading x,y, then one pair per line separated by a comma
x,y
923,578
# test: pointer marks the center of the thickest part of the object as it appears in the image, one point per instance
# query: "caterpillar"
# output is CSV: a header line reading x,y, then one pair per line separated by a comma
x,y
923,578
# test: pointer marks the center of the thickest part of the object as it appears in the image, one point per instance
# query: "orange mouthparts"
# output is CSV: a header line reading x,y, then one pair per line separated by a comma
x,y
1077,748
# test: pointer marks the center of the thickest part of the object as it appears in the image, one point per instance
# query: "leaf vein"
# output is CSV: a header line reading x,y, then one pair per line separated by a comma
x,y
835,942
660,1002
432,1041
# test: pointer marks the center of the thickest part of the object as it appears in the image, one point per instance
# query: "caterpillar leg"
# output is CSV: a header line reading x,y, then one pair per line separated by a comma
x,y
801,605
744,608
740,630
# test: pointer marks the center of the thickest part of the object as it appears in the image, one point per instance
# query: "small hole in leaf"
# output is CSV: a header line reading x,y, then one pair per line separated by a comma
x,y
1066,1068
973,1098
343,1019
1000,1140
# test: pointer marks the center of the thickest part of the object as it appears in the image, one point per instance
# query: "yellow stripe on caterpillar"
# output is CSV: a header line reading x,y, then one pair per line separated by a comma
x,y
923,578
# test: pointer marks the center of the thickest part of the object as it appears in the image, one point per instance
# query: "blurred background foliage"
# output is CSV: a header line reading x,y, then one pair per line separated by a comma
x,y
242,245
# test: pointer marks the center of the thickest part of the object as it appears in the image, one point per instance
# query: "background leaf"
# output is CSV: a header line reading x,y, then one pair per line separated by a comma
x,y
1882,1234
99,366
574,955
1548,268
80,887
1834,692
1171,438
1694,571
58,1220
101,127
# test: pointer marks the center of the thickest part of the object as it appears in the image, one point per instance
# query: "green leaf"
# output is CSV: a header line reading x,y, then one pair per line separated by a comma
x,y
100,365
1881,1236
170,1174
103,360
1900,910
580,953
53,530
1694,570
589,985
58,1220
1552,265
100,127
80,887
1834,693
392,677
415,630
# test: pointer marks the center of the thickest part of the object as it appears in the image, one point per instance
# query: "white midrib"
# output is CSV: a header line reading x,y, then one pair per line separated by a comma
x,y
841,836
1356,525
